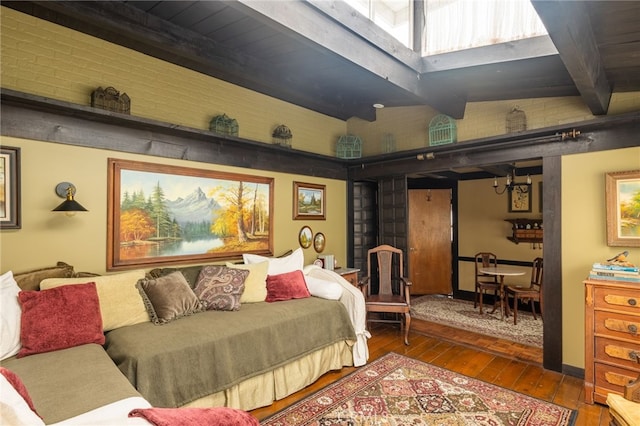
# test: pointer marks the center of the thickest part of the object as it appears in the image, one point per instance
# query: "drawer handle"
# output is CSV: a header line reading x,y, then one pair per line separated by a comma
x,y
634,356
633,329
632,302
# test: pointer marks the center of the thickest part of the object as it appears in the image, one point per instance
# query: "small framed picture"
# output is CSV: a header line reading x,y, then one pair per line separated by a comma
x,y
622,191
305,237
520,198
308,201
9,188
319,242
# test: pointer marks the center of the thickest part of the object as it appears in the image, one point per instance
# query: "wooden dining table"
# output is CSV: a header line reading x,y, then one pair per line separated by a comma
x,y
503,271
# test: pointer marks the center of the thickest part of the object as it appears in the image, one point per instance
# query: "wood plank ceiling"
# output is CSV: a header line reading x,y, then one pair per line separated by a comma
x,y
323,56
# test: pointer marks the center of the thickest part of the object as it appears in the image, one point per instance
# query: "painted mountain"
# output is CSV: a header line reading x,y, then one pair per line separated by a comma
x,y
194,208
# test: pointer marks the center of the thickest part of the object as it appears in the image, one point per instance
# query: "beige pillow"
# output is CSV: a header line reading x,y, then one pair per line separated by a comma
x,y
255,285
120,300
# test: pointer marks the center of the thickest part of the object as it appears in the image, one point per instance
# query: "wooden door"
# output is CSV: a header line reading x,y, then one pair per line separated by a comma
x,y
365,223
429,234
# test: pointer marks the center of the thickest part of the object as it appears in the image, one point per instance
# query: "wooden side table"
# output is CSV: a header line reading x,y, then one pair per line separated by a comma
x,y
349,274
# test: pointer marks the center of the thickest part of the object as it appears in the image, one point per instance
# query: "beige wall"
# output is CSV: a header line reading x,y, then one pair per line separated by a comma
x,y
584,234
44,59
48,237
482,227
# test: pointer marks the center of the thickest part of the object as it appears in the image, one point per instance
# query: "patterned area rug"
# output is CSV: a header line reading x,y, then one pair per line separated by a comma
x,y
396,390
461,314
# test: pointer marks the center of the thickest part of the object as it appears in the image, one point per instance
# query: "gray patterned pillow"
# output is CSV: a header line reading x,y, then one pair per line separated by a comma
x,y
220,287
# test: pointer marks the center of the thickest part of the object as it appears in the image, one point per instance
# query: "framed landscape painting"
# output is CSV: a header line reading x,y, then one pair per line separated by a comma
x,y
622,192
308,201
160,214
9,187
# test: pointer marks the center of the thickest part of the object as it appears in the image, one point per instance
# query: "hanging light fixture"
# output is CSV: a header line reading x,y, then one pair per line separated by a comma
x,y
69,206
511,183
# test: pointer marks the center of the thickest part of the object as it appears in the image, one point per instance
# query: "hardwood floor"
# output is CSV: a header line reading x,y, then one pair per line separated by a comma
x,y
502,363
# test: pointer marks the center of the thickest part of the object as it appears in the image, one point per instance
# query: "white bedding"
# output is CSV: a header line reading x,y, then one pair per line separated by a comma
x,y
353,300
114,414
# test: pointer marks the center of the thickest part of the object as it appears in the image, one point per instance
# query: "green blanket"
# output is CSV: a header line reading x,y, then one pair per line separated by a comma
x,y
176,363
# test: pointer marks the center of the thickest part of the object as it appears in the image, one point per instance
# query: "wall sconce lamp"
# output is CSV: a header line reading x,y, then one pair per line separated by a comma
x,y
69,206
511,184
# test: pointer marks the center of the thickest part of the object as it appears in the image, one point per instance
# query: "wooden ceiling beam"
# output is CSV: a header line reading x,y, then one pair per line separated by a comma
x,y
570,28
310,25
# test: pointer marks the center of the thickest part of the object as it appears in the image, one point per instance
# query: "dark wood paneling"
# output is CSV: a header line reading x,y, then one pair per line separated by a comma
x,y
33,117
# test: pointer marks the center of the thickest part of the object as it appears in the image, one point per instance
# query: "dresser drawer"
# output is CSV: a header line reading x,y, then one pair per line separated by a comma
x,y
617,325
620,353
619,299
613,378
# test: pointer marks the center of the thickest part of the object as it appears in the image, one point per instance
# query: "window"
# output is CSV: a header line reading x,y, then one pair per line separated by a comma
x,y
453,25
393,16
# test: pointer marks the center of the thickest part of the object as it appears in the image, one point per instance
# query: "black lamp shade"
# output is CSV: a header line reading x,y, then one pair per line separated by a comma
x,y
69,205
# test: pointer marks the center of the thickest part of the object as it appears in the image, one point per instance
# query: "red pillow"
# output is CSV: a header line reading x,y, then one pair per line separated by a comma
x,y
19,386
290,285
59,318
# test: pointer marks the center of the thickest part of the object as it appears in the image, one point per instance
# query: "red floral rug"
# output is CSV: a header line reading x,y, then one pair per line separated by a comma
x,y
396,390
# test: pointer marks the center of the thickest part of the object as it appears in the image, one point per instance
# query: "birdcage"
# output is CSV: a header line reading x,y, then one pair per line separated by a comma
x,y
224,125
349,146
388,143
282,136
111,100
442,130
516,121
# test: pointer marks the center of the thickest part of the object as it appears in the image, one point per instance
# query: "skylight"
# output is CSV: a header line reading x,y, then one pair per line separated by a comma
x,y
453,25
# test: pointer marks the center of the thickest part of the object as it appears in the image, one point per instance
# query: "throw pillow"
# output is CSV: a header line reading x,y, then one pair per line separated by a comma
x,y
168,298
190,273
30,280
323,288
16,407
120,301
255,285
220,287
59,318
279,265
10,313
290,285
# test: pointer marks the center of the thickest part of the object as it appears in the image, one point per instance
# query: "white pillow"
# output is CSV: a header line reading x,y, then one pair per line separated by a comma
x,y
323,288
14,410
10,313
278,265
120,301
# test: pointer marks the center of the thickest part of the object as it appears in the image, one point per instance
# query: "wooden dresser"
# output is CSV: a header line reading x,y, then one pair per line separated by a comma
x,y
612,337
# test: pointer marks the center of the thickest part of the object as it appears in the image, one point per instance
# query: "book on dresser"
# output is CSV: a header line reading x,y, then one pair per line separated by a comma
x,y
600,271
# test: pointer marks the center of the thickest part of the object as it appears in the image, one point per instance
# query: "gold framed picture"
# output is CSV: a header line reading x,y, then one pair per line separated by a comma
x,y
305,237
622,193
308,201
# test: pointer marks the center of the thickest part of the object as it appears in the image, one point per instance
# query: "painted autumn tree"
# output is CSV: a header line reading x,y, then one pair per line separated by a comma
x,y
143,219
244,213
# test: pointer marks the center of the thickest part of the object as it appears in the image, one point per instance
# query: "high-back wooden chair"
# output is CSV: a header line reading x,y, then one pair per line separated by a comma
x,y
484,282
391,296
532,293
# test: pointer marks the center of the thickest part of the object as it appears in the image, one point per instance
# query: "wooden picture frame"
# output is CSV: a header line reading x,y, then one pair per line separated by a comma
x,y
309,201
160,214
622,193
319,241
305,237
10,187
519,198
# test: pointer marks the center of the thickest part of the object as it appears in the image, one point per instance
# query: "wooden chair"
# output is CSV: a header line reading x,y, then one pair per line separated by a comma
x,y
531,294
392,295
485,282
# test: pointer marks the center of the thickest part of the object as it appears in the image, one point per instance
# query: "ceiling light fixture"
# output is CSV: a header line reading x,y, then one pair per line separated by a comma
x,y
522,187
378,106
